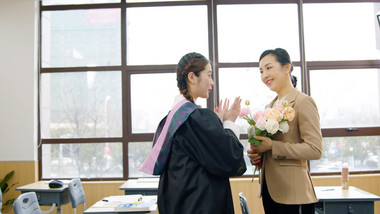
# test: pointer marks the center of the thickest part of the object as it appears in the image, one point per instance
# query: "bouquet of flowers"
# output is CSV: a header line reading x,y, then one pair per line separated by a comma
x,y
267,123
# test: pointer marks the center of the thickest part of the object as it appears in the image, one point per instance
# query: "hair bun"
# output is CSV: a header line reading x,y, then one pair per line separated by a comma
x,y
294,80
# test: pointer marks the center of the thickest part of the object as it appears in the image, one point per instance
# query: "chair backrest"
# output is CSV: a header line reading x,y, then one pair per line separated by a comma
x,y
76,192
1,200
243,204
27,203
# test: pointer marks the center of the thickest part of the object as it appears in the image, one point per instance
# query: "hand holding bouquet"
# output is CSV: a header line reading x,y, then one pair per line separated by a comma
x,y
267,124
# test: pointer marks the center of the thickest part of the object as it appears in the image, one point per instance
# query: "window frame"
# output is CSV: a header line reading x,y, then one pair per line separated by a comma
x,y
127,71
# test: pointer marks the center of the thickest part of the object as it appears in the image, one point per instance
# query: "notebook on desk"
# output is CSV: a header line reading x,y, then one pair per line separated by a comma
x,y
137,206
113,201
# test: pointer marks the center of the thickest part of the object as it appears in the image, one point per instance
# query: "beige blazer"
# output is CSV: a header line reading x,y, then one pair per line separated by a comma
x,y
285,166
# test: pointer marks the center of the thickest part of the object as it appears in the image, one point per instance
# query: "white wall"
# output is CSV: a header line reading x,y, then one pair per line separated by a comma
x,y
18,80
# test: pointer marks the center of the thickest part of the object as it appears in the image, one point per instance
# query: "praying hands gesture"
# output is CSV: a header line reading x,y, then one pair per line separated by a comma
x,y
224,111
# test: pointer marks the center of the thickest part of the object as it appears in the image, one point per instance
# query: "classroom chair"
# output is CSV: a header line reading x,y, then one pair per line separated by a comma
x,y
243,204
76,193
26,203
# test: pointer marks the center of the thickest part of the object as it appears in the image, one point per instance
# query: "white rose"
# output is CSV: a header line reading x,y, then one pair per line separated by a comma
x,y
272,126
284,127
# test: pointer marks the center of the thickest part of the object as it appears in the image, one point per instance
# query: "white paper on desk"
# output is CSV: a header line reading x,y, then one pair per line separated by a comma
x,y
123,198
148,180
113,201
105,204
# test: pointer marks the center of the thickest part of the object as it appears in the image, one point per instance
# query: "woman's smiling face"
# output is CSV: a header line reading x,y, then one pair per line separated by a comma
x,y
273,74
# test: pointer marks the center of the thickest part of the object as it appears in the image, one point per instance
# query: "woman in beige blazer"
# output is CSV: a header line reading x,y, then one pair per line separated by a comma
x,y
286,185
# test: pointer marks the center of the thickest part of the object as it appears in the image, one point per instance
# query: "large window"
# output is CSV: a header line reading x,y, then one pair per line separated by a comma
x,y
107,71
344,76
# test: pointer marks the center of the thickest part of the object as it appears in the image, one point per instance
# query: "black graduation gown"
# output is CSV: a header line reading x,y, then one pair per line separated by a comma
x,y
203,157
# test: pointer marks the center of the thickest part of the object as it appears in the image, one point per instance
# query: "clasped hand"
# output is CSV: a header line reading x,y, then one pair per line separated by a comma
x,y
255,150
224,111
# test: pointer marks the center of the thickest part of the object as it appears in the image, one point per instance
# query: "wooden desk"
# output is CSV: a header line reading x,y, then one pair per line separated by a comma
x,y
48,196
144,186
335,200
107,205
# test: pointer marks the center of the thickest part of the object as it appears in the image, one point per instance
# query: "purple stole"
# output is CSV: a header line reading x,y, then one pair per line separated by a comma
x,y
156,161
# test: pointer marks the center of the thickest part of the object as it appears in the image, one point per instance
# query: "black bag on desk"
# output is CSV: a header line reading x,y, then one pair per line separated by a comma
x,y
55,184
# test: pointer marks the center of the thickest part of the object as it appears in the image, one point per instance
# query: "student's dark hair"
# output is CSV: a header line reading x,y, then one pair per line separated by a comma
x,y
191,62
282,57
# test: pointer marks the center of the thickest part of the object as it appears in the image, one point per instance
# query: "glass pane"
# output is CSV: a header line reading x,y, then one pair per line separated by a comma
x,y
149,108
361,153
246,83
86,160
81,105
347,98
154,36
68,2
81,38
345,31
137,153
245,31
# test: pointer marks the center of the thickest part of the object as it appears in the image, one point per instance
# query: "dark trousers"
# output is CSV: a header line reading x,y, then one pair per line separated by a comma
x,y
272,207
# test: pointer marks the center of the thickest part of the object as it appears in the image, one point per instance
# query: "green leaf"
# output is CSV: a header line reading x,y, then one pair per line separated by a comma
x,y
259,132
254,141
5,188
3,182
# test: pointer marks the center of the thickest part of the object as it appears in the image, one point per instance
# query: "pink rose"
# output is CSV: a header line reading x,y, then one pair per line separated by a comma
x,y
244,112
279,107
259,114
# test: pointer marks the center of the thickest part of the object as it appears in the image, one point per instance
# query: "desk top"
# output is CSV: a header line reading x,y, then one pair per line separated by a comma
x,y
107,205
140,183
336,193
41,186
